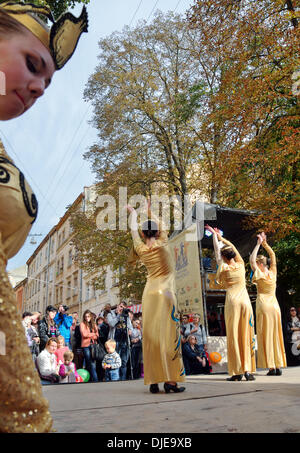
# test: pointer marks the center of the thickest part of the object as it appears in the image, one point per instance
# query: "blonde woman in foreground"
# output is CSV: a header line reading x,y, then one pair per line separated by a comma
x,y
270,344
238,309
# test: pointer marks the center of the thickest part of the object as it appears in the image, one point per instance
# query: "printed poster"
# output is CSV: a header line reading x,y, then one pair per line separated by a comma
x,y
184,249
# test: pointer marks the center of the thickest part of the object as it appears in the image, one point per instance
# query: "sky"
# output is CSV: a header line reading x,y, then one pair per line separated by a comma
x,y
47,143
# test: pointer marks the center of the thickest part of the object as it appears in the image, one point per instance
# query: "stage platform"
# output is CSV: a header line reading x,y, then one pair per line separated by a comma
x,y
210,404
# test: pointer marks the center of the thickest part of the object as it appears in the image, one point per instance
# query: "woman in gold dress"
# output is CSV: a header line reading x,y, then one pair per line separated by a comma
x,y
270,343
162,354
238,310
28,60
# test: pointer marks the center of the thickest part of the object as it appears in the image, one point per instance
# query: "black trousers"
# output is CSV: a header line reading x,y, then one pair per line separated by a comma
x,y
136,353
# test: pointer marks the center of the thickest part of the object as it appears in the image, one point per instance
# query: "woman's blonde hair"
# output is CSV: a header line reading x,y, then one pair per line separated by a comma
x,y
37,313
190,336
261,259
59,338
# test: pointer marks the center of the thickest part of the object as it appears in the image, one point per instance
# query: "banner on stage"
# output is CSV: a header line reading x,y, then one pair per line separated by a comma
x,y
184,249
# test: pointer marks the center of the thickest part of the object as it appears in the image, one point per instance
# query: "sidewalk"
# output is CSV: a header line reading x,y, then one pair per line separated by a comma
x,y
210,404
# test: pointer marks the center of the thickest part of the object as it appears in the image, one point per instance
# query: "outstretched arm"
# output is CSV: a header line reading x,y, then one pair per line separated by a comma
x,y
133,224
253,255
238,257
270,253
217,248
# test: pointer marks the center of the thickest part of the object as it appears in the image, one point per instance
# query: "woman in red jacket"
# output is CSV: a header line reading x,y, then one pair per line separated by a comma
x,y
89,335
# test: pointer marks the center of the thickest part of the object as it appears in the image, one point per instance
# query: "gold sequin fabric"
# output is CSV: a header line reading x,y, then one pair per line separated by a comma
x,y
23,409
22,405
162,354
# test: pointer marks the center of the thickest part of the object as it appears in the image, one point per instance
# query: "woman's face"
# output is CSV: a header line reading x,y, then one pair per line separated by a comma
x,y
28,68
193,341
34,319
52,314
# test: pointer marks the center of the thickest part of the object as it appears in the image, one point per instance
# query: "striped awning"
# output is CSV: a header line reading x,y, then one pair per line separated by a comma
x,y
136,308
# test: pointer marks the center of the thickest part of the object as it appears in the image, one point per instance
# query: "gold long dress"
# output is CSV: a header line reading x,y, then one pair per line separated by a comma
x,y
270,344
22,405
239,318
162,354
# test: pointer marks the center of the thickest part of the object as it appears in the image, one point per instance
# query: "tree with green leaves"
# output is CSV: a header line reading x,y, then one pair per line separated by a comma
x,y
258,44
58,7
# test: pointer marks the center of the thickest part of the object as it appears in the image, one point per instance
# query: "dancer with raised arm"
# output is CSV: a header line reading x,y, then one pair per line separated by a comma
x,y
30,53
270,343
162,354
238,310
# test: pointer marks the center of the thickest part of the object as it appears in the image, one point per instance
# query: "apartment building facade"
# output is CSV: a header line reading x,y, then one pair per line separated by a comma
x,y
55,278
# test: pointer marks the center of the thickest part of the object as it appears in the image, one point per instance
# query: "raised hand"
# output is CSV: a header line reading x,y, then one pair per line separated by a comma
x,y
259,239
209,228
263,235
129,208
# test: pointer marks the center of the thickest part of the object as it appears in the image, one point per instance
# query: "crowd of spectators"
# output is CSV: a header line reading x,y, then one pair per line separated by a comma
x,y
194,345
61,344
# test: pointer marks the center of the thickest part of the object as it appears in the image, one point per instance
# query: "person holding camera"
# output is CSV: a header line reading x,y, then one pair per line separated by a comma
x,y
119,328
64,322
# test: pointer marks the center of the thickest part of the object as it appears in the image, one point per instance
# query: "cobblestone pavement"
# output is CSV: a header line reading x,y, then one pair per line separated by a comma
x,y
210,404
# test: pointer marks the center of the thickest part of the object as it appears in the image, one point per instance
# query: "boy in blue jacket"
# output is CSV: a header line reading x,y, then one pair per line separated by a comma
x,y
64,323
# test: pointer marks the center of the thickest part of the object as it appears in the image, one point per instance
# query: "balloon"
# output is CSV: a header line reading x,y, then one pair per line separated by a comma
x,y
79,379
215,357
84,374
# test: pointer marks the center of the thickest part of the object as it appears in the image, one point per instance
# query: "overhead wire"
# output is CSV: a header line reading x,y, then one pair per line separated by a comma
x,y
36,187
179,1
152,10
56,186
135,13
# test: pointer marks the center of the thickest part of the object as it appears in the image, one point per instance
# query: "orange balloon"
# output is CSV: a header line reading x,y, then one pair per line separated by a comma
x,y
215,357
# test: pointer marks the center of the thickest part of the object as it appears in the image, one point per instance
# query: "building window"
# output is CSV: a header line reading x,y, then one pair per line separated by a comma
x,y
70,258
75,288
87,291
69,289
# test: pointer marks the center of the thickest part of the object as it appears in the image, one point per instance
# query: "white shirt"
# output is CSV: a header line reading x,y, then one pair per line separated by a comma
x,y
47,363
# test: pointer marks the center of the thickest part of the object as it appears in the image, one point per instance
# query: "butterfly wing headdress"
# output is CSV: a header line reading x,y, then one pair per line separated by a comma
x,y
61,38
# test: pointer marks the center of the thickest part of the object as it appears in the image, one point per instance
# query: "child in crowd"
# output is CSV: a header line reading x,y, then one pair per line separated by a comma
x,y
67,369
111,361
61,349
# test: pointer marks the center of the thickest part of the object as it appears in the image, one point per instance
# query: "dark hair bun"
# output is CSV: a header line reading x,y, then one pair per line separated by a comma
x,y
150,229
228,253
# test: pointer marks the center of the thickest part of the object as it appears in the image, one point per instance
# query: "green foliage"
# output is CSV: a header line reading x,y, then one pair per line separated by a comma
x,y
288,265
58,7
